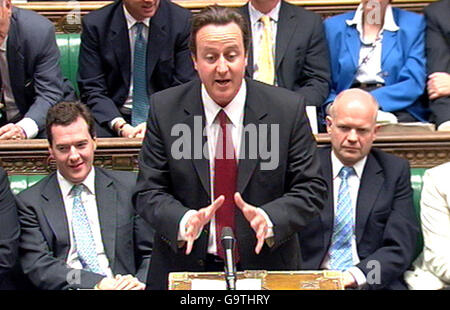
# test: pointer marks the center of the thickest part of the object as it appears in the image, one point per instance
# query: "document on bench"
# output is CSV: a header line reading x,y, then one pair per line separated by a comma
x,y
243,284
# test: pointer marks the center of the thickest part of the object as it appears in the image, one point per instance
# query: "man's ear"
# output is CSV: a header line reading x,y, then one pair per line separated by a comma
x,y
329,122
194,60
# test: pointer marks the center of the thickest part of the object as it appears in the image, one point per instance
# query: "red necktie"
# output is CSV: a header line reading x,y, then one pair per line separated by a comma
x,y
225,176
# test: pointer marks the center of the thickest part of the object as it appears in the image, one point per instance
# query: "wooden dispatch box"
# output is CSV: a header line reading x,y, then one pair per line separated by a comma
x,y
270,280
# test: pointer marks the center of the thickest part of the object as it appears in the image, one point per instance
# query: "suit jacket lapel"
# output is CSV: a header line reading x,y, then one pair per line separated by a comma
x,y
327,214
287,25
55,213
255,110
120,43
353,44
195,112
156,38
107,205
249,69
389,41
371,182
15,62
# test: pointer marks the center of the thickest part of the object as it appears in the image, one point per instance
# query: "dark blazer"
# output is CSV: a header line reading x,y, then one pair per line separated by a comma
x,y
33,63
105,58
168,187
9,232
301,53
45,240
438,52
386,225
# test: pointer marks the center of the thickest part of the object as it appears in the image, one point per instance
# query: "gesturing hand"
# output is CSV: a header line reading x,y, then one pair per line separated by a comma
x,y
255,218
196,222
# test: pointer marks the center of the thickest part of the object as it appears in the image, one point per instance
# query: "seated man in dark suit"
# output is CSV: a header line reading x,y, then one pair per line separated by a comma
x,y
9,232
129,50
30,78
438,61
78,226
368,227
265,198
298,58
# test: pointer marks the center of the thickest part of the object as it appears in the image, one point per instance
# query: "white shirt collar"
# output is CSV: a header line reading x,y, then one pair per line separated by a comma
x,y
255,15
66,186
131,20
389,22
337,165
3,46
234,110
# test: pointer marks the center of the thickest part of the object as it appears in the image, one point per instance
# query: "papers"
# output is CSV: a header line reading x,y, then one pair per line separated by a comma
x,y
243,284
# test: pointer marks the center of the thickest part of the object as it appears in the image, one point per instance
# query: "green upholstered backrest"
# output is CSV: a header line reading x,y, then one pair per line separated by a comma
x,y
20,182
417,184
69,46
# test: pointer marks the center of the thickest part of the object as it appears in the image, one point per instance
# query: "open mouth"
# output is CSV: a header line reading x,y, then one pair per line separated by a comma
x,y
223,82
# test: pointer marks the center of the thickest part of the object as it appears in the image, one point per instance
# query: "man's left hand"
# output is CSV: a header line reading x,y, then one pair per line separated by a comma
x,y
12,132
256,220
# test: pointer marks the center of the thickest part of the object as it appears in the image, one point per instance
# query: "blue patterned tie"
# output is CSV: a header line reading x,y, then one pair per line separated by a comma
x,y
84,240
341,241
140,97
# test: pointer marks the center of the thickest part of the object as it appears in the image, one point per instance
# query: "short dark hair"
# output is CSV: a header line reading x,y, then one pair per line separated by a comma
x,y
218,15
65,113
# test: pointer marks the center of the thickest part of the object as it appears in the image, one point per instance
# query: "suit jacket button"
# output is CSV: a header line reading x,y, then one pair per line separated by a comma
x,y
201,262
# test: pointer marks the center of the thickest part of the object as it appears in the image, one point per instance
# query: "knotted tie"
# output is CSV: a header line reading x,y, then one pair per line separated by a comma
x,y
266,68
140,97
225,175
341,240
84,240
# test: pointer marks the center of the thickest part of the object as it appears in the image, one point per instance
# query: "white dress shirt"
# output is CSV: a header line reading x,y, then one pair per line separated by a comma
x,y
131,21
235,113
90,204
354,181
27,124
257,32
371,71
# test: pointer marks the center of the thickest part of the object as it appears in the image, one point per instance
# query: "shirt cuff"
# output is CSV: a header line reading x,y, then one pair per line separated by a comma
x,y
182,226
114,121
270,233
359,276
445,126
29,126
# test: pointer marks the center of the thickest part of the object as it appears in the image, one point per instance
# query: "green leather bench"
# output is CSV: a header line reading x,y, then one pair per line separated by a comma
x,y
69,47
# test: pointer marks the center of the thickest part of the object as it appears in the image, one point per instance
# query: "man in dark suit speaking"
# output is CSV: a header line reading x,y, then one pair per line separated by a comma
x,y
226,151
367,227
129,50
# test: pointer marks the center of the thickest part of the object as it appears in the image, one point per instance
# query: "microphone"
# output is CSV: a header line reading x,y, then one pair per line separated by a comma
x,y
228,243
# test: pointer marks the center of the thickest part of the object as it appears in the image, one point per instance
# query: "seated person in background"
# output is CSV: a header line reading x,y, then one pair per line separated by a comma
x,y
380,49
129,50
368,227
30,79
9,232
432,268
298,58
438,60
78,225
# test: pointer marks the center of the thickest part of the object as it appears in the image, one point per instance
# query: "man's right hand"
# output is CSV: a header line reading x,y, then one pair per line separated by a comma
x,y
196,222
